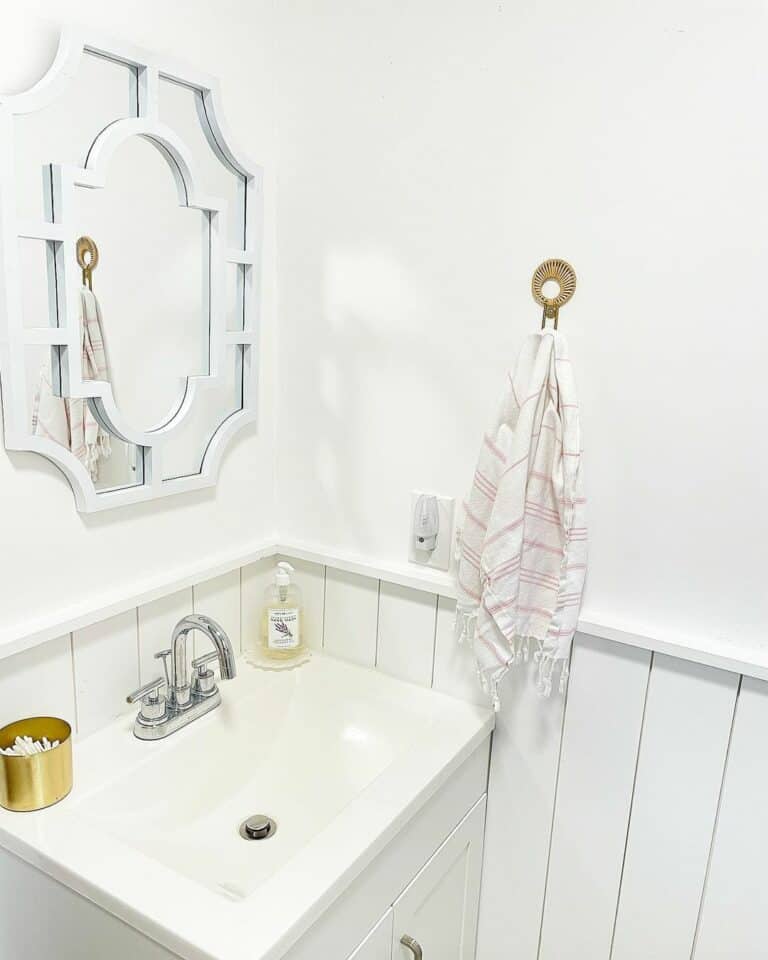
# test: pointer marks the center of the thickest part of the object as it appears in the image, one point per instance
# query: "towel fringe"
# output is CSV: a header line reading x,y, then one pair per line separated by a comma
x,y
547,666
522,649
465,624
494,692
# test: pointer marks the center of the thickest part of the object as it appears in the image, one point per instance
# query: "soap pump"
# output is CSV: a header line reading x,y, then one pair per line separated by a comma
x,y
282,637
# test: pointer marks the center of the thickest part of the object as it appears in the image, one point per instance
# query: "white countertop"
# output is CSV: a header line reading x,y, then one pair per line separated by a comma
x,y
340,756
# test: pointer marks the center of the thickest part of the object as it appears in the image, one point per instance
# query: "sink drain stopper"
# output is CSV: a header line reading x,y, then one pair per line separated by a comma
x,y
258,827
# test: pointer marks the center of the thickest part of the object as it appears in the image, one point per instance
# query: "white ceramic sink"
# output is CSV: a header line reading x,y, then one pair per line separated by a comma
x,y
339,756
297,746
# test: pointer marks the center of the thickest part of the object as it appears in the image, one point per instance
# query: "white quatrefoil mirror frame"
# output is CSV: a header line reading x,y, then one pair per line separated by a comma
x,y
57,230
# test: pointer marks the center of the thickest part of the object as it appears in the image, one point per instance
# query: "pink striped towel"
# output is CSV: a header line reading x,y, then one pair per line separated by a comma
x,y
523,545
70,422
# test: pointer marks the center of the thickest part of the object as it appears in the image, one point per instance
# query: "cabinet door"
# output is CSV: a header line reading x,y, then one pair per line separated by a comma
x,y
438,909
378,944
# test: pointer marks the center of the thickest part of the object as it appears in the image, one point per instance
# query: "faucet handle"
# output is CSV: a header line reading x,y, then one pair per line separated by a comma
x,y
200,662
204,684
152,709
150,691
164,655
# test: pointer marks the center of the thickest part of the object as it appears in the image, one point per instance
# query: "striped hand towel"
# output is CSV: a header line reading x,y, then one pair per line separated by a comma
x,y
69,421
523,545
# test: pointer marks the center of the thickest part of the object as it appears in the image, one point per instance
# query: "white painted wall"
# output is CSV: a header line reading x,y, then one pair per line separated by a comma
x,y
431,155
417,191
52,556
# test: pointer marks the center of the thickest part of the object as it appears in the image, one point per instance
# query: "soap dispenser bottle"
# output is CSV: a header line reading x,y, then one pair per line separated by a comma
x,y
281,632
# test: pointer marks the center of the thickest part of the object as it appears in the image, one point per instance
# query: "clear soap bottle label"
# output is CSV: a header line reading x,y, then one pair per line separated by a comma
x,y
283,628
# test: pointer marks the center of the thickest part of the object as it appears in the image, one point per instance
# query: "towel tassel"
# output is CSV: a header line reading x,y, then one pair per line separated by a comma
x,y
465,624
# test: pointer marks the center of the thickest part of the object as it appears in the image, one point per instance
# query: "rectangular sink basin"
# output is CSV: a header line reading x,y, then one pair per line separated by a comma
x,y
297,746
339,756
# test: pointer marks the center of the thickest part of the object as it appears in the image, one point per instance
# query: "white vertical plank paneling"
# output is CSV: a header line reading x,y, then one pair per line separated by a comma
x,y
454,672
253,581
406,633
156,622
603,721
351,614
38,682
680,770
219,598
733,924
521,792
106,660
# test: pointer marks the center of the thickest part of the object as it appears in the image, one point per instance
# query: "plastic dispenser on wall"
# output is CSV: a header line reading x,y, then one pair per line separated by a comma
x,y
426,523
431,530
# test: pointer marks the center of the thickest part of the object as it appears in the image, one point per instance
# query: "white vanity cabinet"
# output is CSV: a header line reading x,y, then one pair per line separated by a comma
x,y
378,944
438,909
424,883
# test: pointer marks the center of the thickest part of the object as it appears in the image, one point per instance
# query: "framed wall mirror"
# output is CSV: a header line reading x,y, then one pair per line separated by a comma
x,y
130,236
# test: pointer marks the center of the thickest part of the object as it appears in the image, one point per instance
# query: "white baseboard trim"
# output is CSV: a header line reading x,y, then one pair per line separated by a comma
x,y
721,654
404,574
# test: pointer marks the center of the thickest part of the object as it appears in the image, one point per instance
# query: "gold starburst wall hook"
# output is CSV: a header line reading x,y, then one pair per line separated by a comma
x,y
563,274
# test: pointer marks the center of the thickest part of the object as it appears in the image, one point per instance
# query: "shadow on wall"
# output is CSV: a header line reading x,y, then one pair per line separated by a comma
x,y
378,371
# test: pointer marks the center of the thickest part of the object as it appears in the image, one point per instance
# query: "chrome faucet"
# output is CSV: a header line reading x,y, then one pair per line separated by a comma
x,y
161,715
179,687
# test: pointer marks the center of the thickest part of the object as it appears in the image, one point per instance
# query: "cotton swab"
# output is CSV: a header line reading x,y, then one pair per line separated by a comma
x,y
27,747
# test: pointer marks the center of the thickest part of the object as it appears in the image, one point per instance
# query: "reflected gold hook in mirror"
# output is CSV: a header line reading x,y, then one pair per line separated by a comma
x,y
563,274
88,259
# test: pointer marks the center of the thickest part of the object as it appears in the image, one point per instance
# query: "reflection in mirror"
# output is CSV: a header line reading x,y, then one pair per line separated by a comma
x,y
186,446
100,92
37,291
235,295
151,282
181,108
112,463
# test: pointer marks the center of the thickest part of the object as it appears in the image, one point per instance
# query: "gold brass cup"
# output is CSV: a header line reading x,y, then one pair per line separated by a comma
x,y
31,783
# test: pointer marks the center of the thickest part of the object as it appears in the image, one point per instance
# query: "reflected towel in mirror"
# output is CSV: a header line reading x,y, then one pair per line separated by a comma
x,y
69,421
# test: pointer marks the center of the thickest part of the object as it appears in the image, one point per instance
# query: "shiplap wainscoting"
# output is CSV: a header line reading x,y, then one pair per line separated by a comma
x,y
605,709
734,915
625,820
680,769
621,808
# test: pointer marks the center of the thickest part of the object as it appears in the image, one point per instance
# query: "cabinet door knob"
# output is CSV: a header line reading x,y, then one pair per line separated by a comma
x,y
413,945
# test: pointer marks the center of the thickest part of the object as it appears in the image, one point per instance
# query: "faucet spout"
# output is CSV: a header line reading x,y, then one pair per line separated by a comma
x,y
180,686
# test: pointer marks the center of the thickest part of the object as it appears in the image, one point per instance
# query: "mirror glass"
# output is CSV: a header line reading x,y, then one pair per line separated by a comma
x,y
149,327
186,446
151,282
100,92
